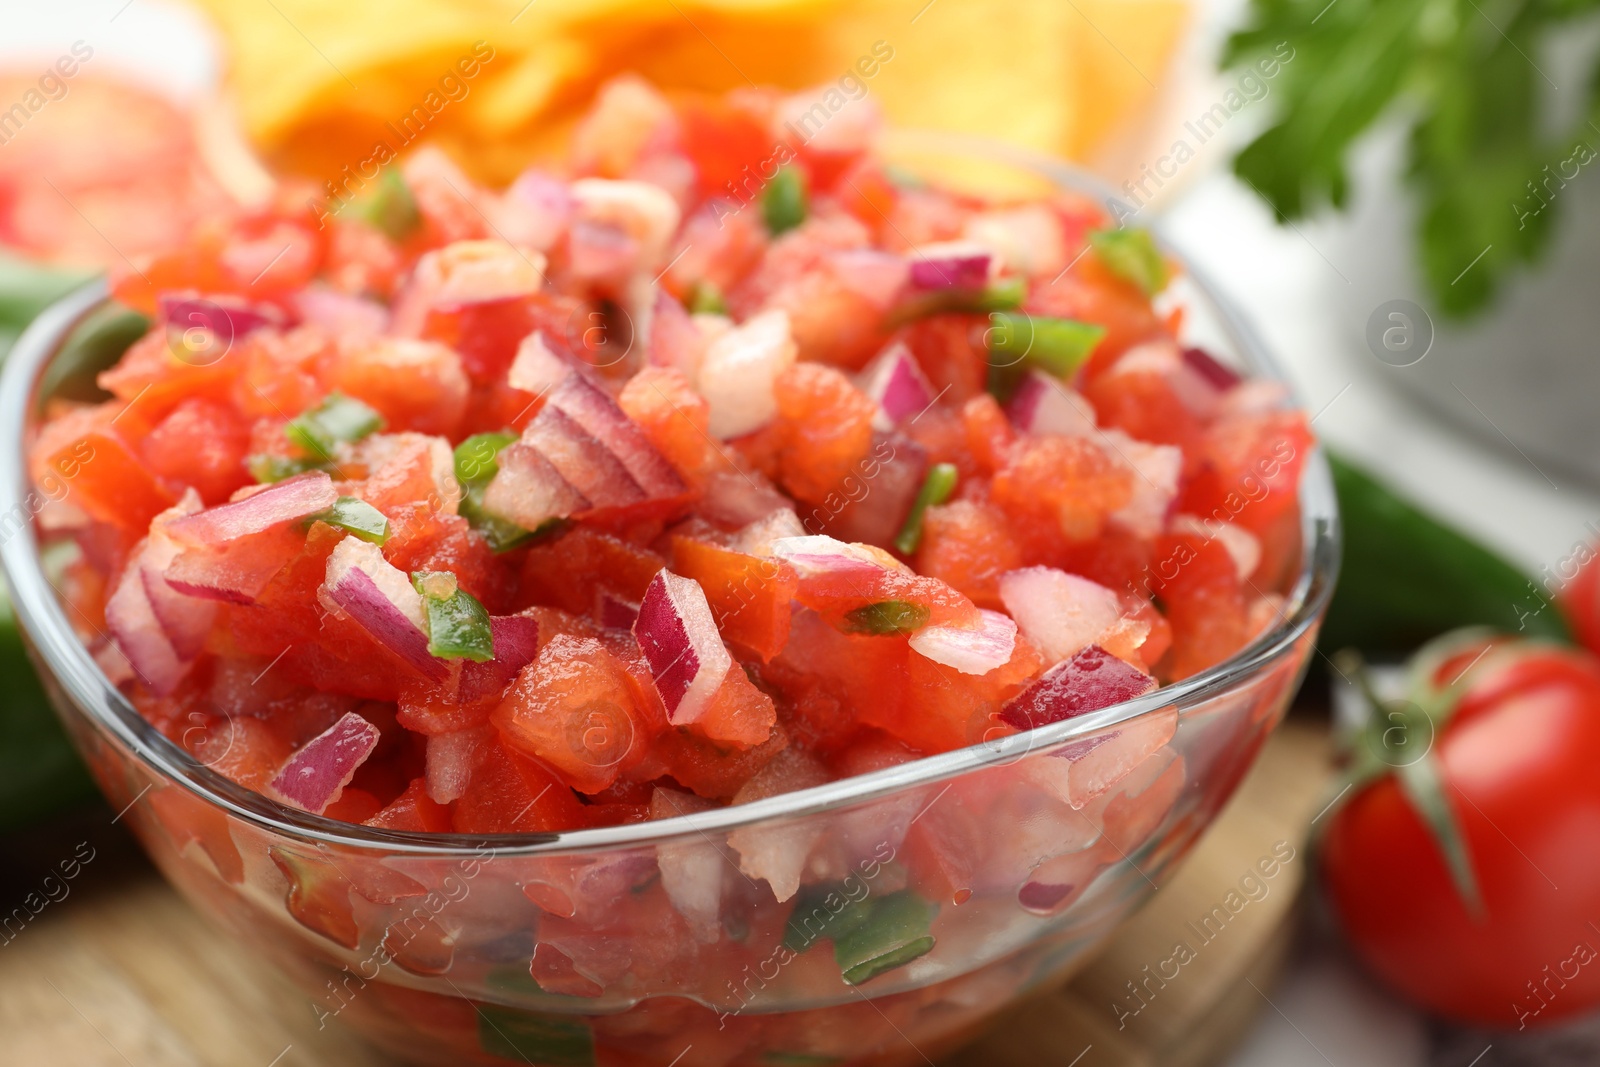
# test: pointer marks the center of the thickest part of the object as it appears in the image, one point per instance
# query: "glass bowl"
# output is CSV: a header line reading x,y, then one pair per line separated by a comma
x,y
931,894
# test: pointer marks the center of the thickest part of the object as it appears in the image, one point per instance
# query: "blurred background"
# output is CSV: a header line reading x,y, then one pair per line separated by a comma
x,y
1395,191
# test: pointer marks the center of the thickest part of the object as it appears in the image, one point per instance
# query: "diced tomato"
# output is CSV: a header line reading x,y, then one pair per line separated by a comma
x,y
414,810
1068,481
967,544
202,444
725,143
104,473
1250,469
414,385
676,419
511,794
1198,584
750,596
951,350
570,571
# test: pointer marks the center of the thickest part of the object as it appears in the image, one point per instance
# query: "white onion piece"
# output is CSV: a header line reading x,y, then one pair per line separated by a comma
x,y
969,651
644,212
1156,469
737,375
316,775
679,638
362,584
1059,613
536,369
342,315
961,265
1243,546
451,760
1030,238
288,500
186,621
691,869
676,339
534,210
897,385
1042,405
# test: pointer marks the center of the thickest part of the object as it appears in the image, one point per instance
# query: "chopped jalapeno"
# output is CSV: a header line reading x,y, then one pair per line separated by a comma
x,y
389,206
476,465
824,913
338,418
706,299
357,516
1132,255
266,468
1007,294
547,1039
458,625
894,934
936,489
887,617
784,202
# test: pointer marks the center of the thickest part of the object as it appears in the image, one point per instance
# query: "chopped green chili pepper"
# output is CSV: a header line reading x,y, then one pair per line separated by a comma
x,y
894,934
824,912
1058,346
1008,294
476,467
936,489
266,468
1132,255
389,206
338,418
547,1039
458,625
886,617
706,299
784,202
357,516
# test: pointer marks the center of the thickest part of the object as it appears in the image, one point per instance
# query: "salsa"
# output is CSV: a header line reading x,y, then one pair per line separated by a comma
x,y
709,465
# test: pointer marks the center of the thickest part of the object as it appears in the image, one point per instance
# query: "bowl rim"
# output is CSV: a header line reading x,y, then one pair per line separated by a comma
x,y
45,624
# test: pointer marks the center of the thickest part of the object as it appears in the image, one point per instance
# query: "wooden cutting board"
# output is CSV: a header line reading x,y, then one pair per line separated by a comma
x,y
119,972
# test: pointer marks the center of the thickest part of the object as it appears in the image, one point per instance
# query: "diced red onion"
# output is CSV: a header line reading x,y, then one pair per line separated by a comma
x,y
226,317
1243,546
1208,367
381,600
582,459
1091,680
593,409
616,613
675,339
679,638
964,265
534,211
737,498
1059,613
739,370
691,870
969,651
235,572
1155,484
314,776
1043,405
536,369
818,556
160,652
529,491
452,758
892,479
897,385
288,500
516,644
341,314
600,250
757,538
877,277
186,621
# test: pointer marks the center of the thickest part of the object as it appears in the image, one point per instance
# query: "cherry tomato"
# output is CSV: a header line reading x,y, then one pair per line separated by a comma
x,y
1515,756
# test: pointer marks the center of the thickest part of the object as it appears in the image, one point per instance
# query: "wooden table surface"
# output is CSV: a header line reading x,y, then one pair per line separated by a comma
x,y
119,972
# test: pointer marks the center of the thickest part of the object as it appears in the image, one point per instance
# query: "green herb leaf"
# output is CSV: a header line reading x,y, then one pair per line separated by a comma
x,y
338,418
784,203
1131,254
887,617
1475,103
389,206
936,489
894,934
458,625
357,516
